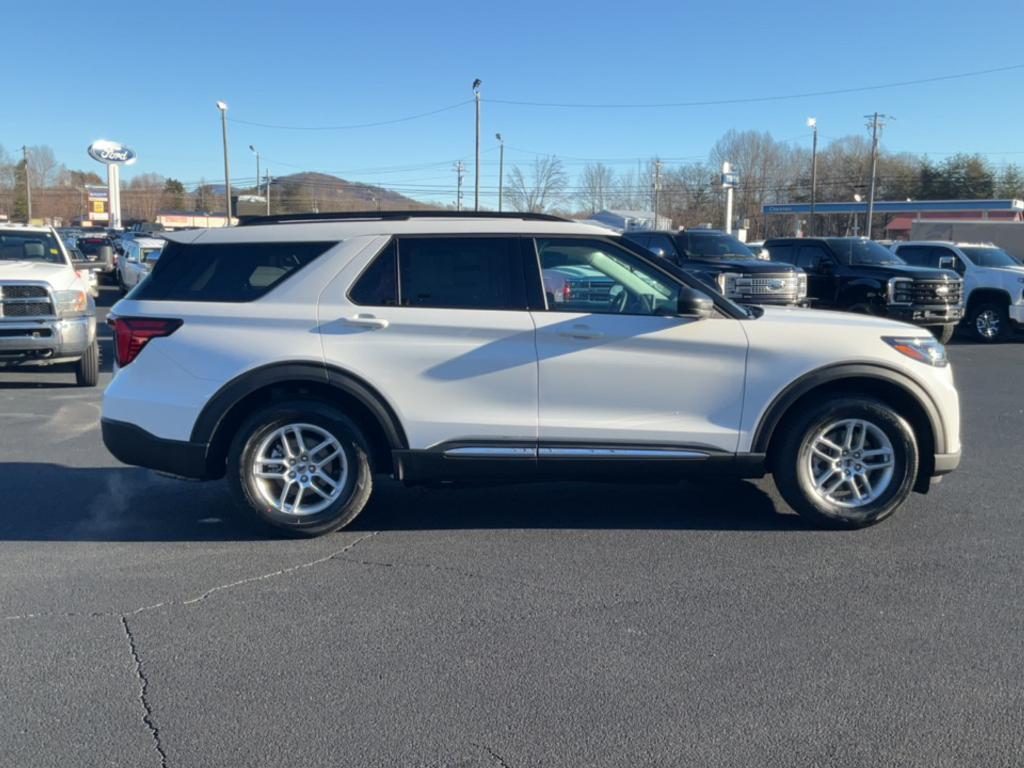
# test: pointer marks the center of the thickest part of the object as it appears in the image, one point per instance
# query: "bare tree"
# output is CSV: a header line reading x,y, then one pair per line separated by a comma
x,y
595,187
141,197
544,189
43,168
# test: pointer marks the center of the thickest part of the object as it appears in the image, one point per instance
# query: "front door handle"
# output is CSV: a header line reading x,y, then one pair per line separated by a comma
x,y
367,321
581,332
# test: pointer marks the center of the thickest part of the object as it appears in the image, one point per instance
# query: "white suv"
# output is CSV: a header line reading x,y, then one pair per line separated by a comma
x,y
993,282
301,355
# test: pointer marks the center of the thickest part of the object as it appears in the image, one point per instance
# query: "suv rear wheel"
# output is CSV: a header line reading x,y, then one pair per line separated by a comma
x,y
301,466
847,463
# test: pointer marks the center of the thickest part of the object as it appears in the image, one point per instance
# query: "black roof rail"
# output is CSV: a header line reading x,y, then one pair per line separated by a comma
x,y
298,218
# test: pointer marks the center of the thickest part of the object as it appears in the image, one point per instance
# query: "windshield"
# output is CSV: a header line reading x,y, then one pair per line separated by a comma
x,y
864,252
20,245
989,257
717,245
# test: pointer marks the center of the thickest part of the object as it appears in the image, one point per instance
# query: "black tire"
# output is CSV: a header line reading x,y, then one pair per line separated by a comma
x,y
354,490
87,369
944,332
792,456
998,322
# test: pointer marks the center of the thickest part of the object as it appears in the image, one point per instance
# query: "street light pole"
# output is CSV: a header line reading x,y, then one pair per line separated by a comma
x,y
28,185
268,192
812,122
501,168
256,152
227,165
476,191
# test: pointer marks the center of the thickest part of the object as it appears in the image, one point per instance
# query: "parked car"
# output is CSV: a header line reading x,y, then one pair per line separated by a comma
x,y
47,315
859,275
140,254
300,355
993,283
727,265
91,278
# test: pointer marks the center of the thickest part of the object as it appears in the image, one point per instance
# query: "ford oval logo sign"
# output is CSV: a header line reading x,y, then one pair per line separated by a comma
x,y
775,284
111,153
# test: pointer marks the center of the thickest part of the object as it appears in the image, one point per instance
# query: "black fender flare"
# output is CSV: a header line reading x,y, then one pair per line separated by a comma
x,y
856,292
233,392
778,408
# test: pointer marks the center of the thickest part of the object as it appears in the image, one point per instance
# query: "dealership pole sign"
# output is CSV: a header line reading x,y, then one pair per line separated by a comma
x,y
113,155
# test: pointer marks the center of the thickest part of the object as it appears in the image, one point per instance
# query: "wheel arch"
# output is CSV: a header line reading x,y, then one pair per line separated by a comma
x,y
862,290
889,385
235,401
982,295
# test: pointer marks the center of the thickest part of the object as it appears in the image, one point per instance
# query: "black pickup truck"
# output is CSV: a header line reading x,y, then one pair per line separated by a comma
x,y
859,275
726,265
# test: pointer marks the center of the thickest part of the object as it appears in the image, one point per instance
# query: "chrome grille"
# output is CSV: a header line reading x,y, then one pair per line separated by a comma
x,y
783,287
942,292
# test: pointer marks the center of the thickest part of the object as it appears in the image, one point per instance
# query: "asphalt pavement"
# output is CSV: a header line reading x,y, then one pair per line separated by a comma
x,y
144,622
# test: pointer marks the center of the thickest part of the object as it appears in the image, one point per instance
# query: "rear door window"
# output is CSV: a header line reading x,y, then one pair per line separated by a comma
x,y
224,272
784,253
811,256
918,255
461,273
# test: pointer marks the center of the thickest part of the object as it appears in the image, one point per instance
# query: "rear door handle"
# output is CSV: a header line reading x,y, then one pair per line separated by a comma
x,y
581,332
367,321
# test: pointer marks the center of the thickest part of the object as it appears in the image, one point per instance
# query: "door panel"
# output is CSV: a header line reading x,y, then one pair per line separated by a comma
x,y
449,373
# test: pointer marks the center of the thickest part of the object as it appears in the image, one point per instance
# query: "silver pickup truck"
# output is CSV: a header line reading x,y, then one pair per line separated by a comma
x,y
47,315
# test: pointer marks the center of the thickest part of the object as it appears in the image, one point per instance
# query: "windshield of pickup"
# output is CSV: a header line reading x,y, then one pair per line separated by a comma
x,y
716,245
863,252
987,256
25,245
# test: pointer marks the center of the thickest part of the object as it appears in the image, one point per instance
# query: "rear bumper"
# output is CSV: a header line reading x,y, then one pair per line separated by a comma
x,y
133,445
40,342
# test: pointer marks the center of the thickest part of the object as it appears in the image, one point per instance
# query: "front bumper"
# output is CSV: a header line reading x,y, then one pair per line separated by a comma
x,y
133,445
43,342
945,463
1017,314
925,315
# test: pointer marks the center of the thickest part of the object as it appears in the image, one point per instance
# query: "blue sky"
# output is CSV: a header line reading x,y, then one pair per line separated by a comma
x,y
317,63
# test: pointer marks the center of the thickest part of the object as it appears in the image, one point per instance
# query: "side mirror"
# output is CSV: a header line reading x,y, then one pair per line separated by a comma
x,y
693,303
826,265
659,252
107,256
947,262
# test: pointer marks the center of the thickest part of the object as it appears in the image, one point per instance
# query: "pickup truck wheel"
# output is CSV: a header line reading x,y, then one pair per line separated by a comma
x,y
302,467
848,463
944,332
989,322
87,369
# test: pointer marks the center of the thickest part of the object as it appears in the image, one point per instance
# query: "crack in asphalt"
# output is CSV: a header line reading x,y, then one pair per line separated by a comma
x,y
337,555
494,755
147,710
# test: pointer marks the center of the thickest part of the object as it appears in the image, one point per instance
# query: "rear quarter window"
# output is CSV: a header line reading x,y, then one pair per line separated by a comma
x,y
224,272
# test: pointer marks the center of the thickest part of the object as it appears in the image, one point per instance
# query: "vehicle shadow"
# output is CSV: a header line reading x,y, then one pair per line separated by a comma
x,y
49,502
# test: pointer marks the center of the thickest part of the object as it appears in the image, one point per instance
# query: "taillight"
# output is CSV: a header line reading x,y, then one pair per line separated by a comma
x,y
131,334
566,292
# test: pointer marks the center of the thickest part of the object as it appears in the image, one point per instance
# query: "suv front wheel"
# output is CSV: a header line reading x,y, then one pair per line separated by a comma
x,y
848,463
301,466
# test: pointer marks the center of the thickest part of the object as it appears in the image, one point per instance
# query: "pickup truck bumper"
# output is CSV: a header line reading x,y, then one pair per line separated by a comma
x,y
45,342
926,315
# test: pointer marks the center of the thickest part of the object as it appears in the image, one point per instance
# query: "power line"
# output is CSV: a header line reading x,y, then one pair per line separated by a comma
x,y
352,126
757,99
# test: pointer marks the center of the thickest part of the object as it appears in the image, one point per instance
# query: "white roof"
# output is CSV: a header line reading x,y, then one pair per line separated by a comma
x,y
343,229
947,242
24,227
149,242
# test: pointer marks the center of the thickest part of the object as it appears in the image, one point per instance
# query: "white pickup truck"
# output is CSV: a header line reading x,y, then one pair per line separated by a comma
x,y
993,282
47,315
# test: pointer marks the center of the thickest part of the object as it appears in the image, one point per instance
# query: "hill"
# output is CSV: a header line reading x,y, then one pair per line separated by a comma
x,y
309,191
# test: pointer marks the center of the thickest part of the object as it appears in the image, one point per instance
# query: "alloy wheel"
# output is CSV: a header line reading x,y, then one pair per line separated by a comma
x,y
299,469
988,324
850,463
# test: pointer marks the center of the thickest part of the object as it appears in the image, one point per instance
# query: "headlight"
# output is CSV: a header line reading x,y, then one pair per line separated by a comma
x,y
901,291
925,350
727,284
71,303
801,285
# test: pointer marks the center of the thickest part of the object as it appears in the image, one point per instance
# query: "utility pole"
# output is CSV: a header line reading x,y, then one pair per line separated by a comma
x,y
28,185
501,168
268,192
657,188
459,168
476,190
227,165
812,122
728,182
876,125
